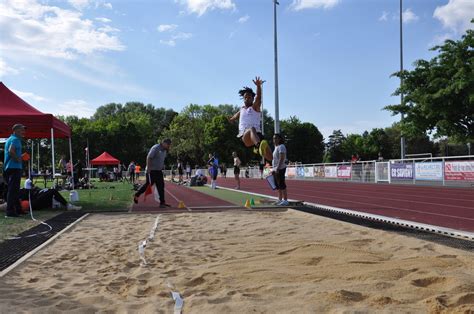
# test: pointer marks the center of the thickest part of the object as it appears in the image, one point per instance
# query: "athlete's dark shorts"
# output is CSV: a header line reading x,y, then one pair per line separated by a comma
x,y
260,135
280,179
236,170
180,171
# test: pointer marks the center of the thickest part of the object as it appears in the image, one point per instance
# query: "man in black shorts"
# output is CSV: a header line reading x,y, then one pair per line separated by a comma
x,y
279,169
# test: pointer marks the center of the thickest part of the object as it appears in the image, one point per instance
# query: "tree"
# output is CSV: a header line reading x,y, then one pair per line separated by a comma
x,y
334,152
304,141
439,94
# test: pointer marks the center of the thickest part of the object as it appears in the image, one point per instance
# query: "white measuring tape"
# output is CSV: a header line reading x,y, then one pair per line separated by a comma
x,y
178,300
142,244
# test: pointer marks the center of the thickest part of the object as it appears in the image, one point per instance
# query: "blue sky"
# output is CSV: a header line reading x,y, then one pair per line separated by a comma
x,y
335,56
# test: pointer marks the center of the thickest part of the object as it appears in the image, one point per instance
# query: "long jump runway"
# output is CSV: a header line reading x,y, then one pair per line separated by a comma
x,y
444,207
192,201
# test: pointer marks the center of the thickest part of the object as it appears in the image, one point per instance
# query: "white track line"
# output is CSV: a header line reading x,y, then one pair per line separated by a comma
x,y
189,209
395,221
29,254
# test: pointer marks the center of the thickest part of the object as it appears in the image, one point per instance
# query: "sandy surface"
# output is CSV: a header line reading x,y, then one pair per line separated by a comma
x,y
239,262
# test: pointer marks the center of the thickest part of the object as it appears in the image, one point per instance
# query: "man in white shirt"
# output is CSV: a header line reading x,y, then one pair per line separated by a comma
x,y
279,169
250,120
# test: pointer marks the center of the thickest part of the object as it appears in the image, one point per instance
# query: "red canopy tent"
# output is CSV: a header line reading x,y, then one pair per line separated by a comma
x,y
105,159
14,110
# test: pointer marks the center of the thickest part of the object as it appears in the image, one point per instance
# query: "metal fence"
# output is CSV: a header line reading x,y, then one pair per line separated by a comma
x,y
434,171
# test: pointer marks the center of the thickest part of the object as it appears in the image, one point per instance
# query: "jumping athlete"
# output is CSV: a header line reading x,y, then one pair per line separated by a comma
x,y
250,120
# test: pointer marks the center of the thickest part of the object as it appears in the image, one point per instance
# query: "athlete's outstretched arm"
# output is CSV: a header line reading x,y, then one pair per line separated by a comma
x,y
234,117
258,99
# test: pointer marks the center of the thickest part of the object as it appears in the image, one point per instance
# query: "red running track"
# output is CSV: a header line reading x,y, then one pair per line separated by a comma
x,y
192,199
445,207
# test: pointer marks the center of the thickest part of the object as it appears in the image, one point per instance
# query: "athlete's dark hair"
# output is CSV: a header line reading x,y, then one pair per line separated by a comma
x,y
244,90
280,137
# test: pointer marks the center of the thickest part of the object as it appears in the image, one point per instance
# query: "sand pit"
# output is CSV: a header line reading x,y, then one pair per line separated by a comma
x,y
239,262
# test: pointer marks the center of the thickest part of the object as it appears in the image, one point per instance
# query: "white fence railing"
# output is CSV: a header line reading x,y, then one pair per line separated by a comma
x,y
441,171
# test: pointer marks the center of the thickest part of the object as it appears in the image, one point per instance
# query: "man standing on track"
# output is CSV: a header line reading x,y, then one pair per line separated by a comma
x,y
155,163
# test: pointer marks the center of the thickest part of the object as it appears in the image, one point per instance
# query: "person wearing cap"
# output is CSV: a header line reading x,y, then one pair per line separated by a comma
x,y
12,167
155,163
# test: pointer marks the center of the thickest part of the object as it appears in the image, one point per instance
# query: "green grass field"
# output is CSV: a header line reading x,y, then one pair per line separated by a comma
x,y
108,197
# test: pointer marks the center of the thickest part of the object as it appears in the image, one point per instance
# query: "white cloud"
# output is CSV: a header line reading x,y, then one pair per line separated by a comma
x,y
439,39
182,36
456,15
200,7
170,42
82,4
79,4
298,5
384,16
409,16
5,69
37,29
174,38
75,107
166,27
29,96
103,19
244,19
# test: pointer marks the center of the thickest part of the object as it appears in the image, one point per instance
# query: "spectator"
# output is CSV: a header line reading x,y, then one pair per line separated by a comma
x,y
12,170
43,198
380,158
131,171
63,165
188,171
137,172
213,163
237,163
180,171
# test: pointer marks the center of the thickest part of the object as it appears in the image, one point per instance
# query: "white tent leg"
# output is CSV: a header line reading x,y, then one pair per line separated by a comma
x,y
52,152
30,162
38,155
72,163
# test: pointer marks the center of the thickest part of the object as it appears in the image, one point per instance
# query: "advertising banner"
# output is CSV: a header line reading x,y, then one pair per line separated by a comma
x,y
330,171
429,171
291,172
300,171
318,171
401,171
308,172
459,170
344,171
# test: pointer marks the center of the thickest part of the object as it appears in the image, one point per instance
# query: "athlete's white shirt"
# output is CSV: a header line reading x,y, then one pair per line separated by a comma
x,y
249,118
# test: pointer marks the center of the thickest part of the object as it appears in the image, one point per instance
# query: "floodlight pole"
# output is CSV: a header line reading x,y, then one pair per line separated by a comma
x,y
277,109
402,138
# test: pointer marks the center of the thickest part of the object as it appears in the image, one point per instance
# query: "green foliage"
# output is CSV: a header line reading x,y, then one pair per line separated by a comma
x,y
439,94
125,131
304,141
334,148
